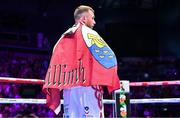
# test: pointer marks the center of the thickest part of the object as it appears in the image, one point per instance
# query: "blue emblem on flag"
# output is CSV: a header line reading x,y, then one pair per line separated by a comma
x,y
100,50
104,55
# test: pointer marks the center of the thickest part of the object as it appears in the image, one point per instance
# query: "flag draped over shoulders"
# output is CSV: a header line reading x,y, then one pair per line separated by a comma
x,y
80,58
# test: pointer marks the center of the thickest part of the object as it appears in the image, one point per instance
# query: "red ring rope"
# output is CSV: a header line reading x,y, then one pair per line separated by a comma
x,y
38,81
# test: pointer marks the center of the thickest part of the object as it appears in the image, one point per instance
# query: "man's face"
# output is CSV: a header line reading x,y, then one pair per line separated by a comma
x,y
89,19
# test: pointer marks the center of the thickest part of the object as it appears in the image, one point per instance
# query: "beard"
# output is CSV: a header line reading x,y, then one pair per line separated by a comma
x,y
90,26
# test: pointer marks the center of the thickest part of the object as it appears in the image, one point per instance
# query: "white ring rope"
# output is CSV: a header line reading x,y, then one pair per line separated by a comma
x,y
105,101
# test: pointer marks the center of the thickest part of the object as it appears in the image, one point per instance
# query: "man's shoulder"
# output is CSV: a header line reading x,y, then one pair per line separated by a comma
x,y
90,35
86,29
71,30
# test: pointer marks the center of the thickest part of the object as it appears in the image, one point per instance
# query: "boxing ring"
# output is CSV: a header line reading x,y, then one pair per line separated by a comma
x,y
120,99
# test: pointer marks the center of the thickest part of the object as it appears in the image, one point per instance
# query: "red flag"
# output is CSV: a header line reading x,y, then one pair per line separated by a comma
x,y
81,58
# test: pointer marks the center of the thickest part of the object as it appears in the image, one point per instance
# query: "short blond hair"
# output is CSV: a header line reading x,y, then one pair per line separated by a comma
x,y
80,10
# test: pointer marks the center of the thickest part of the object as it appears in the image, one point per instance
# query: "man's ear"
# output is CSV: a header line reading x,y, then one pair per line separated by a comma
x,y
83,19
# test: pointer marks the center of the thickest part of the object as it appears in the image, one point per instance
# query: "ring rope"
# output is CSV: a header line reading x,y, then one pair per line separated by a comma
x,y
21,80
105,101
155,83
38,81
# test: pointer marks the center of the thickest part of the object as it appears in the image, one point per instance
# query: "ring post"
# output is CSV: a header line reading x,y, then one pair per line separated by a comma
x,y
122,98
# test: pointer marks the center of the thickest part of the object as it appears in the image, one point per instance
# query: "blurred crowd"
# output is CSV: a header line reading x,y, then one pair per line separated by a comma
x,y
21,65
149,68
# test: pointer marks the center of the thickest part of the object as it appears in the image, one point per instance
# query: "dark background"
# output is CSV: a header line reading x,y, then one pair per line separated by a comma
x,y
132,28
